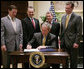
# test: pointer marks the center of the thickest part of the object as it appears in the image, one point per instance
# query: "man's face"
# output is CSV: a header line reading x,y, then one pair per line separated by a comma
x,y
13,13
30,12
68,9
45,31
49,17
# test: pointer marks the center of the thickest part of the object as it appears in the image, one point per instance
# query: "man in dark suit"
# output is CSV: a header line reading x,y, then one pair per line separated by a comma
x,y
55,25
54,30
43,39
30,26
71,28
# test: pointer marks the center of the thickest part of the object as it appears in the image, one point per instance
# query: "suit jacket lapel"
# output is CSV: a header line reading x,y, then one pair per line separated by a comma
x,y
70,21
47,39
9,22
31,22
64,22
41,39
16,25
35,22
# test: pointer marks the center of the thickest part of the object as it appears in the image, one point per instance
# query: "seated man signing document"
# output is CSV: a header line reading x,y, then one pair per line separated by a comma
x,y
44,39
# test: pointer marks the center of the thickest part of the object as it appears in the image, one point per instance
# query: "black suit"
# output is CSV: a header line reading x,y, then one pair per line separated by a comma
x,y
28,30
71,35
55,30
38,37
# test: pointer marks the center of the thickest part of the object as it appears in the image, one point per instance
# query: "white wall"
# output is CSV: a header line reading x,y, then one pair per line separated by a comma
x,y
30,3
41,7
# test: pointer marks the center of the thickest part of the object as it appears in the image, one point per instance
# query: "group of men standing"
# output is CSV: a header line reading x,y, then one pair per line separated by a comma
x,y
26,33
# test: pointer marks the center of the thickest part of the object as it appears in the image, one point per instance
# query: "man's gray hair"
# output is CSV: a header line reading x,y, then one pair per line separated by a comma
x,y
49,12
46,24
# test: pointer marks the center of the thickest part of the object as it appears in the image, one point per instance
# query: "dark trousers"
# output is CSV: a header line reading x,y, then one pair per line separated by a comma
x,y
26,65
73,52
73,58
5,60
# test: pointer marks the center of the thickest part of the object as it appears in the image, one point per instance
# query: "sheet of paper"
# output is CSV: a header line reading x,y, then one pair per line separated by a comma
x,y
31,50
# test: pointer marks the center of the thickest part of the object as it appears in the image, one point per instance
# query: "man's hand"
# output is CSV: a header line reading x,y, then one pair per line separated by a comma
x,y
29,46
75,45
3,48
41,47
21,47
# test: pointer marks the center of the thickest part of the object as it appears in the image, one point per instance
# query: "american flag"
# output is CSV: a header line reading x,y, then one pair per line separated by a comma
x,y
52,10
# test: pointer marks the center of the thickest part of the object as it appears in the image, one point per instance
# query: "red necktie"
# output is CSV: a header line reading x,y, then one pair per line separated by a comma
x,y
33,23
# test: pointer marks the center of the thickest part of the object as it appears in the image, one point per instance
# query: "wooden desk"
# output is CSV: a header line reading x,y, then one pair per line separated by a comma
x,y
54,57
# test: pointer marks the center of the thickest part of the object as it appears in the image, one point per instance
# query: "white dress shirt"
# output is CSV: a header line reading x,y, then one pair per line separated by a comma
x,y
13,22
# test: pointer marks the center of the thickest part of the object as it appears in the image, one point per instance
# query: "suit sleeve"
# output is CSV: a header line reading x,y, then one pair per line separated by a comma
x,y
21,33
38,26
2,33
24,30
54,45
61,28
32,40
78,30
58,29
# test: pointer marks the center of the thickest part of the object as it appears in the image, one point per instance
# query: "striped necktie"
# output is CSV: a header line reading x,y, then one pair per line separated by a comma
x,y
44,40
33,23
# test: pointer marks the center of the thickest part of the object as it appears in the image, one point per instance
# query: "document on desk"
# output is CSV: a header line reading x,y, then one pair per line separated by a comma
x,y
31,50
